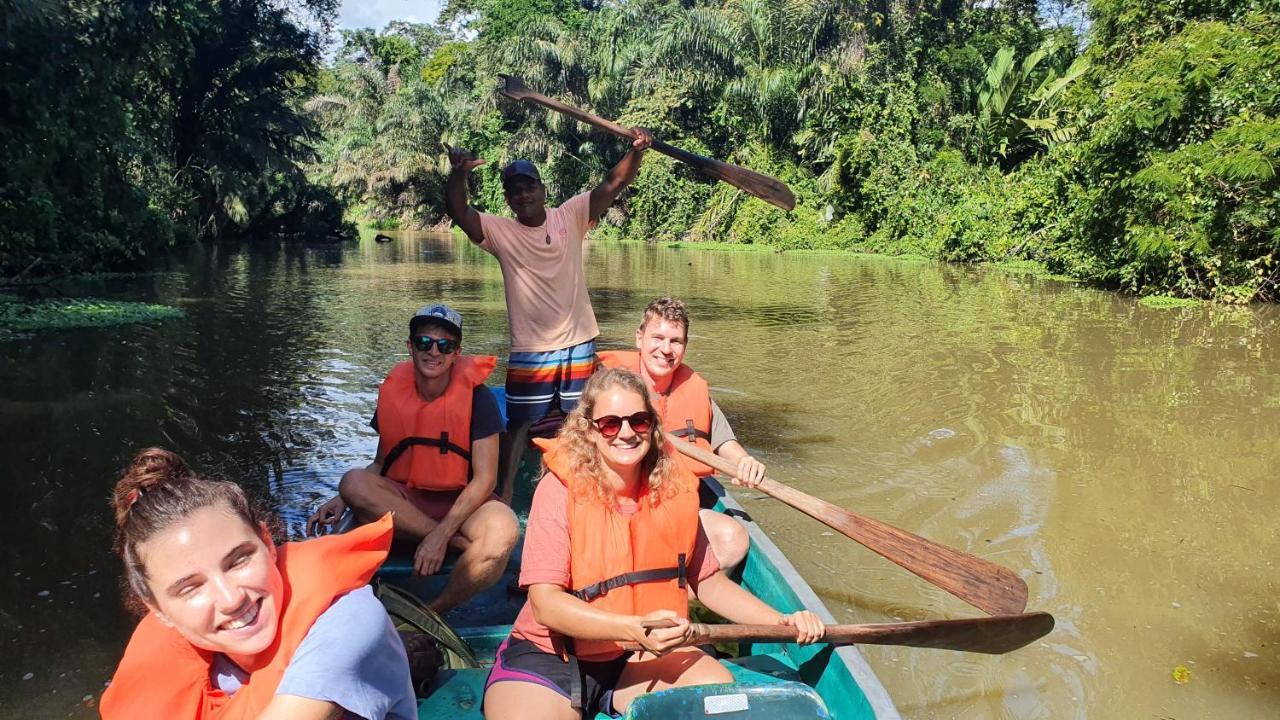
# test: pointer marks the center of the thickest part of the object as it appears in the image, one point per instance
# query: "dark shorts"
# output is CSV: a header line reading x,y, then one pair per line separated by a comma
x,y
539,382
708,496
435,504
591,682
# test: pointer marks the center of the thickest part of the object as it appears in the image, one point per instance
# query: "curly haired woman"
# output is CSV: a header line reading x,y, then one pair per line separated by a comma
x,y
612,546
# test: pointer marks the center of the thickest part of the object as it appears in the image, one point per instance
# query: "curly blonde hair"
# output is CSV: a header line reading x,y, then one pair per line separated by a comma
x,y
578,446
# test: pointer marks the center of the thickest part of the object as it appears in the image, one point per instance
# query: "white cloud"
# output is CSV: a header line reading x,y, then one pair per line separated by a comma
x,y
377,13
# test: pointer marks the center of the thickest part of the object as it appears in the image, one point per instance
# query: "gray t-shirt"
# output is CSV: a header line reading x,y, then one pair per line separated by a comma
x,y
352,657
721,433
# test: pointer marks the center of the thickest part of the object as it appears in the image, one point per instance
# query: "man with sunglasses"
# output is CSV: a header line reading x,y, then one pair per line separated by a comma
x,y
553,327
689,414
437,461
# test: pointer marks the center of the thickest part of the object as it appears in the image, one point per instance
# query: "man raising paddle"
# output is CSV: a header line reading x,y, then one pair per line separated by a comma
x,y
553,327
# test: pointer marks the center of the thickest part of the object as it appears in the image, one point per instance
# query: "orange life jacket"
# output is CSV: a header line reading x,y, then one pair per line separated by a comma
x,y
163,676
685,408
427,445
629,565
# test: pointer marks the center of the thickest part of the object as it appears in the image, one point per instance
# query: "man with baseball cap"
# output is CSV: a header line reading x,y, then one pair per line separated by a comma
x,y
437,461
553,327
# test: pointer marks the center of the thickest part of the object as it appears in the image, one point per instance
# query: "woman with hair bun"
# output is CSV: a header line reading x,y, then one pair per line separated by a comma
x,y
612,548
236,627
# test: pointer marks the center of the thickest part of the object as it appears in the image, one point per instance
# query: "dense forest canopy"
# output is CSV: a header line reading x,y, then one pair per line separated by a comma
x,y
129,127
1136,150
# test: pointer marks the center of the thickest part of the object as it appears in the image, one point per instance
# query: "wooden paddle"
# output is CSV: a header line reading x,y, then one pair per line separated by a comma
x,y
989,587
769,189
991,635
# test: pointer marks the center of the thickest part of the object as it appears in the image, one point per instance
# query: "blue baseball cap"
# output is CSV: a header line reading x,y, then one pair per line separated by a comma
x,y
440,314
520,168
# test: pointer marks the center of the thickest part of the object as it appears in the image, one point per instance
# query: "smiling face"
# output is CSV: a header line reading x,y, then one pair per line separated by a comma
x,y
214,580
662,345
431,364
624,452
527,198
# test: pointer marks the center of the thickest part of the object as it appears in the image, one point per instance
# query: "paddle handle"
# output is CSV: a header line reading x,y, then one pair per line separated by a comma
x,y
991,635
987,586
577,114
769,189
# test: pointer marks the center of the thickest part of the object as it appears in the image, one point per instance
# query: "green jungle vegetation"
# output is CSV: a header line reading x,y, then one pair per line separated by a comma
x,y
131,128
1135,149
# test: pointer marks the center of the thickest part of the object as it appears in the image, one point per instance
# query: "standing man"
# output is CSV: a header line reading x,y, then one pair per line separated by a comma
x,y
688,413
553,327
437,461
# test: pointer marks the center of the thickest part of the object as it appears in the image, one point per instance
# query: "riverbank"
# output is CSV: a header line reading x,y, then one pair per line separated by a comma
x,y
1027,267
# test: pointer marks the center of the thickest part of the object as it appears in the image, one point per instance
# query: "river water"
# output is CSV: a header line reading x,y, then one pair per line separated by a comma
x,y
1122,459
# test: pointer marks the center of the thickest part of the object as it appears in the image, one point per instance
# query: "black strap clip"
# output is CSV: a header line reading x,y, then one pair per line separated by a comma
x,y
596,590
690,433
442,442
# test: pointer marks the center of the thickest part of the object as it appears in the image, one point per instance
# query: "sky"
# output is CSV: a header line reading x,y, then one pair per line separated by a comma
x,y
377,13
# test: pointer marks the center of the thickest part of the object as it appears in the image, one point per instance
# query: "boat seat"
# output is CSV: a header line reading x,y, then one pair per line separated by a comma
x,y
766,685
731,701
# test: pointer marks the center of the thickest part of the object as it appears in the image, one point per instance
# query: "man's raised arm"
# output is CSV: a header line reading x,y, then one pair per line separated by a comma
x,y
621,175
461,163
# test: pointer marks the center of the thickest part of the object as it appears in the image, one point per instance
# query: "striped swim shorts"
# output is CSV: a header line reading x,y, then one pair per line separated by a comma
x,y
541,382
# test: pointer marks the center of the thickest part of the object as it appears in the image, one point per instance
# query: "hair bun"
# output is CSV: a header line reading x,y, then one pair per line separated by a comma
x,y
149,469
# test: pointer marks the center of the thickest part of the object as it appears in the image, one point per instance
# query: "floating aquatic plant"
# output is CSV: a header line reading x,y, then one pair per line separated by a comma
x,y
20,318
1167,301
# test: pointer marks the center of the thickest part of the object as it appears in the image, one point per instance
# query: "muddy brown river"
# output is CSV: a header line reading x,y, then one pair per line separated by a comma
x,y
1122,459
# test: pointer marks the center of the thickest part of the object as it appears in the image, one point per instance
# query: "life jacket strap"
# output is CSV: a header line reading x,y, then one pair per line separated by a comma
x,y
441,442
691,432
602,588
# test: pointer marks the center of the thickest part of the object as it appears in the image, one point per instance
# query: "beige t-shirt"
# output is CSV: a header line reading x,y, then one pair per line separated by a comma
x,y
547,302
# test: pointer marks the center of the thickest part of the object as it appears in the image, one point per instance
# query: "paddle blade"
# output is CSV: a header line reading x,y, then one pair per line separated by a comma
x,y
994,635
994,589
766,187
983,584
990,635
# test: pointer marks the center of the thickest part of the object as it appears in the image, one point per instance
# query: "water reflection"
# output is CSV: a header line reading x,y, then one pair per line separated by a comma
x,y
1121,458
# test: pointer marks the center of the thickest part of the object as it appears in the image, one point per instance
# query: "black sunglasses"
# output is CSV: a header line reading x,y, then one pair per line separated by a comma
x,y
610,425
423,343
